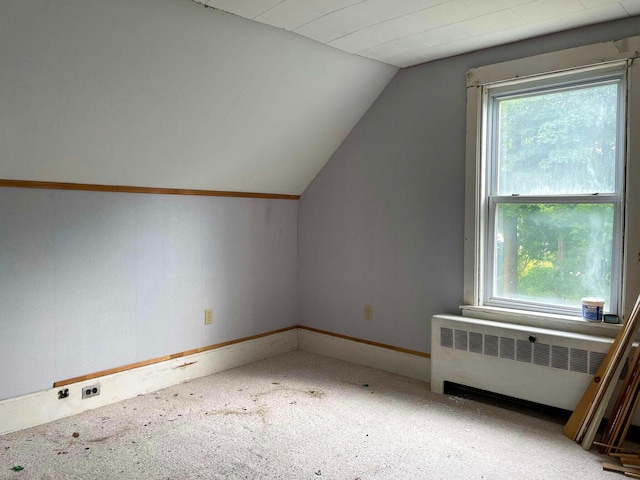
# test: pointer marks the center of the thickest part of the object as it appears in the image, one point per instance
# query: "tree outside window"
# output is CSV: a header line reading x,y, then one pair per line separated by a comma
x,y
555,192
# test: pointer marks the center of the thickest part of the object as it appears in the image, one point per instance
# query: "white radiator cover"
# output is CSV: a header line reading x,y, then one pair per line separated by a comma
x,y
499,357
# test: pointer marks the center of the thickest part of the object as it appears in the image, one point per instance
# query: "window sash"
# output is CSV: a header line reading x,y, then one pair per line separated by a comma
x,y
488,174
489,297
493,94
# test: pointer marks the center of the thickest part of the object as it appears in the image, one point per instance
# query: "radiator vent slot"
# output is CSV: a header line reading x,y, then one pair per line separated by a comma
x,y
595,359
446,337
560,357
507,348
523,351
461,339
491,345
543,354
578,360
475,342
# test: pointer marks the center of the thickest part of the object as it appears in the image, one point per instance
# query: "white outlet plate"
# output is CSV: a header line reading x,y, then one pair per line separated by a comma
x,y
368,312
91,391
208,316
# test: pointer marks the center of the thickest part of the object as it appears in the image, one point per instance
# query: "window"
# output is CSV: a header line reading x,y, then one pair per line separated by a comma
x,y
546,172
554,168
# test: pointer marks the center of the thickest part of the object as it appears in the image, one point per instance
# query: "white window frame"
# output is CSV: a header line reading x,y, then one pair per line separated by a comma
x,y
479,81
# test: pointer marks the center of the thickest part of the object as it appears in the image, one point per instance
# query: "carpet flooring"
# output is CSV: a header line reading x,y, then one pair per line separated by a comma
x,y
299,416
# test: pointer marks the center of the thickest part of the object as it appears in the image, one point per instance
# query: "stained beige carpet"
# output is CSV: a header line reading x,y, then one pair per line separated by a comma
x,y
298,416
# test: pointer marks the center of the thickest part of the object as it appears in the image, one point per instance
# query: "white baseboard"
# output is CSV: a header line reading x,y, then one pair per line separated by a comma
x,y
387,359
42,407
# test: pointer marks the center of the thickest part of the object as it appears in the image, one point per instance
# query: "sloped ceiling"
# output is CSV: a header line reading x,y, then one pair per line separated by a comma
x,y
168,93
408,32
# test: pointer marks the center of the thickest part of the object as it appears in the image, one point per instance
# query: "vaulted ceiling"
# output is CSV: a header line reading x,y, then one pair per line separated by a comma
x,y
168,93
408,32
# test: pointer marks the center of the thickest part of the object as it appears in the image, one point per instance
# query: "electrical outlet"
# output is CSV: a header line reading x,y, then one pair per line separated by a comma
x,y
368,312
91,391
208,316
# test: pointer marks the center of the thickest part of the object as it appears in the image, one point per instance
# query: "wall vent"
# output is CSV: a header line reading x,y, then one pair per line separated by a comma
x,y
475,342
491,345
461,340
542,354
446,337
523,350
560,357
595,359
507,348
578,360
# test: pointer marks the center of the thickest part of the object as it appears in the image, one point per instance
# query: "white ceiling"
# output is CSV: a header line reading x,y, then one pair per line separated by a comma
x,y
409,32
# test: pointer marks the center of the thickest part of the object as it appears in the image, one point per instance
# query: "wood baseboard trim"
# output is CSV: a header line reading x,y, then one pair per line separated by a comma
x,y
131,366
367,342
37,408
102,373
132,189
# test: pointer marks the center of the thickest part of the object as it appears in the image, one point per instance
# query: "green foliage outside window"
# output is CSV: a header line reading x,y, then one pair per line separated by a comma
x,y
554,252
556,143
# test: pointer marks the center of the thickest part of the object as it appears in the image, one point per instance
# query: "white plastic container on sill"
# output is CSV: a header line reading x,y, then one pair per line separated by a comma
x,y
592,309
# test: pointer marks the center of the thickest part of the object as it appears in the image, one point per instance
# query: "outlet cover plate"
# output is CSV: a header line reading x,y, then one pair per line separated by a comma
x,y
90,391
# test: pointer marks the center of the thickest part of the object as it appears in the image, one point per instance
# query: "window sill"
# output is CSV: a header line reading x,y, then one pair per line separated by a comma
x,y
563,323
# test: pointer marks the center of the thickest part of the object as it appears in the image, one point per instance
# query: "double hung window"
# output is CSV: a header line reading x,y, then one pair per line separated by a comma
x,y
555,157
548,215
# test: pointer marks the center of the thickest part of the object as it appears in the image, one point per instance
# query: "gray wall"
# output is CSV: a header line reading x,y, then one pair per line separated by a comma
x,y
382,223
159,93
91,281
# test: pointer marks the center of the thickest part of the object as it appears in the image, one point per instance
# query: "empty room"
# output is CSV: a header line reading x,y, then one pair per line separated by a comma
x,y
346,239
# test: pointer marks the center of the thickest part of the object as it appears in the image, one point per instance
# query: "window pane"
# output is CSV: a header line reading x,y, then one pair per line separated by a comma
x,y
553,253
559,142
